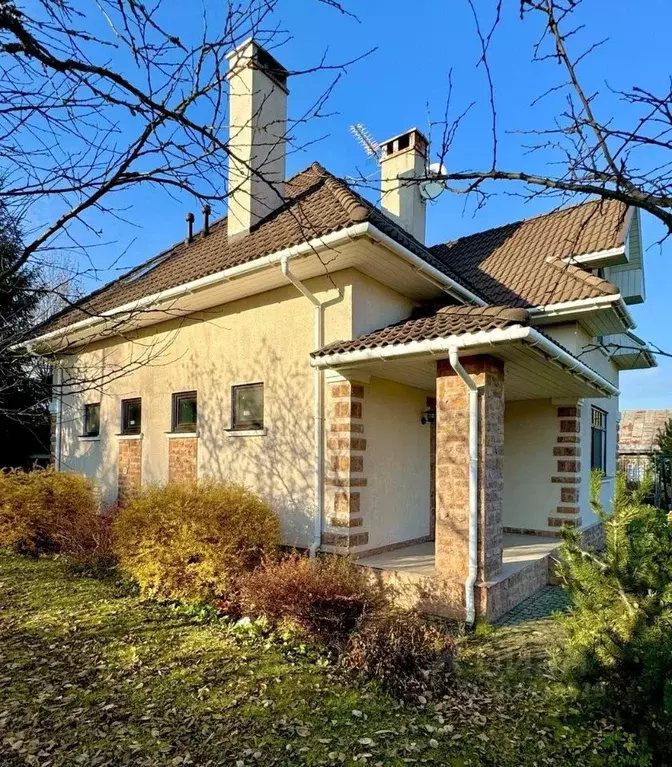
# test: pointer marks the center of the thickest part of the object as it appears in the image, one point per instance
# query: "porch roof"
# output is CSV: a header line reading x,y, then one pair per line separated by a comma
x,y
406,351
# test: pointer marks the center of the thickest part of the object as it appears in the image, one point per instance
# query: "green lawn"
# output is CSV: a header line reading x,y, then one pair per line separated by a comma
x,y
90,675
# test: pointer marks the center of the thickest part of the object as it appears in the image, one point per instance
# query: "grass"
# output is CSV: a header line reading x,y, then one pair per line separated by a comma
x,y
90,674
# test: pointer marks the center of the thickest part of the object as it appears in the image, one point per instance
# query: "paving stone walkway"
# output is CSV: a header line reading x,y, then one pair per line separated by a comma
x,y
549,600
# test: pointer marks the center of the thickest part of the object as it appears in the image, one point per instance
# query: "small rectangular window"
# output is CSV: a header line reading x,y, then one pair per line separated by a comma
x,y
131,416
598,439
185,411
92,420
247,408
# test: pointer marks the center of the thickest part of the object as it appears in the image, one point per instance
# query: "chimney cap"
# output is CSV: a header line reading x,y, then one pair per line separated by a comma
x,y
402,142
251,54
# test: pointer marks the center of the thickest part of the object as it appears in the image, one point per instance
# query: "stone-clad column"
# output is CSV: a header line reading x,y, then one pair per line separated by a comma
x,y
452,468
345,478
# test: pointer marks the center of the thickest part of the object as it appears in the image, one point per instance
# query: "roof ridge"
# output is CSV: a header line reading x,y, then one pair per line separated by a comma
x,y
577,273
505,312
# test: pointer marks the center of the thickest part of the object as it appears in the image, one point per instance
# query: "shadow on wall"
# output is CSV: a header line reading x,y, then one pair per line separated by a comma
x,y
279,466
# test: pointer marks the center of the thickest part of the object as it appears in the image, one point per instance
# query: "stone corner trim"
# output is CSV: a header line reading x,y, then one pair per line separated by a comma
x,y
183,460
345,480
566,455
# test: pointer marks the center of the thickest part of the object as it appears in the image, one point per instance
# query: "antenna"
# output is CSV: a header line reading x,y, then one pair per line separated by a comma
x,y
370,146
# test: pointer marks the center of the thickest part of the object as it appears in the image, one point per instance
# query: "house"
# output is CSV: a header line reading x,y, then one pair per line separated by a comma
x,y
637,440
431,410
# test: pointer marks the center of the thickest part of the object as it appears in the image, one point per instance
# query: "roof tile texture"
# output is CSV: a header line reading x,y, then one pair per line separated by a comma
x,y
449,321
521,264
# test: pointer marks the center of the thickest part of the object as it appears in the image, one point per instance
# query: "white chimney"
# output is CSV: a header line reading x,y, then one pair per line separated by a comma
x,y
257,128
404,158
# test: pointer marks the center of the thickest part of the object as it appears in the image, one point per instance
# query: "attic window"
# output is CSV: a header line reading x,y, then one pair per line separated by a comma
x,y
145,268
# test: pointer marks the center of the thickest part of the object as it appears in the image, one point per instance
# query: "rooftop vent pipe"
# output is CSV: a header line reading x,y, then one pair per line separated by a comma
x,y
190,228
206,219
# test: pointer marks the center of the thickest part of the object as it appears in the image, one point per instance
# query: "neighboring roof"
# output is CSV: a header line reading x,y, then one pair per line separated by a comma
x,y
638,430
319,203
521,264
448,321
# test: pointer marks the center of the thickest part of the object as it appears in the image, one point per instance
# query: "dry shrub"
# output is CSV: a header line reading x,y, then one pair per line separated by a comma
x,y
192,541
50,512
404,653
325,597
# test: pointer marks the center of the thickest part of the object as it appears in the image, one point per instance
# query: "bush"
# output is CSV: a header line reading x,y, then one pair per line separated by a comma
x,y
324,597
192,541
404,653
620,627
50,512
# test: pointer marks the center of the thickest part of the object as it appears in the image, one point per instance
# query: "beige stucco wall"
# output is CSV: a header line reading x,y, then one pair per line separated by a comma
x,y
374,305
530,432
266,338
397,463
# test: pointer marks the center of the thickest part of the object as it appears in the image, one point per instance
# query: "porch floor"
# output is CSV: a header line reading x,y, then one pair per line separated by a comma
x,y
518,552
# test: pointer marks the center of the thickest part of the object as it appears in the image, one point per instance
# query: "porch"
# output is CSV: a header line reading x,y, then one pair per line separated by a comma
x,y
423,487
410,574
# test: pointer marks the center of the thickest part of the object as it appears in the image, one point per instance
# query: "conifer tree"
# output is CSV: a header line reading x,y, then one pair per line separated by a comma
x,y
24,391
619,629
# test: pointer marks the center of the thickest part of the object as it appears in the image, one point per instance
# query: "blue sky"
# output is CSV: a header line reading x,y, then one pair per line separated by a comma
x,y
404,83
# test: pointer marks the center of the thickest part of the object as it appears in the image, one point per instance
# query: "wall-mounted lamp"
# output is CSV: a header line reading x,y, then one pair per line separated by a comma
x,y
429,416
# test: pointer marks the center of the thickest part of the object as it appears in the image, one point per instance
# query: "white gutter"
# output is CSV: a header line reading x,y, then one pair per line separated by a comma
x,y
332,240
318,403
597,255
472,569
585,305
425,269
465,341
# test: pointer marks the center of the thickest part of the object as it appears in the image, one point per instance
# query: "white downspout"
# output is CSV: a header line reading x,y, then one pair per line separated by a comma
x,y
470,608
58,413
318,390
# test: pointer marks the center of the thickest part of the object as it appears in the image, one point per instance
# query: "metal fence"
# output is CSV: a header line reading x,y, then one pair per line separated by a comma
x,y
635,465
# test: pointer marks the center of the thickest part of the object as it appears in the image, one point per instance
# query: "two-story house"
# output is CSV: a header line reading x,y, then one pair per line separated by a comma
x,y
432,410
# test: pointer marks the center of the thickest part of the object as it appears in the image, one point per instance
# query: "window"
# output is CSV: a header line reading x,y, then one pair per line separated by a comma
x,y
185,411
131,416
247,406
598,439
92,420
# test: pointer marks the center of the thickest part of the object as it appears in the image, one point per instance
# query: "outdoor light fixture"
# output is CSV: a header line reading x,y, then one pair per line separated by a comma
x,y
428,416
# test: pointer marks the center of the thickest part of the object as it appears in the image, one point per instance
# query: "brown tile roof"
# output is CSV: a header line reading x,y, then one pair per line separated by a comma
x,y
319,203
449,321
638,429
521,264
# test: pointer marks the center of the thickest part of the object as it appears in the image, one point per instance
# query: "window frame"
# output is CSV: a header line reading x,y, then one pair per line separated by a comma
x,y
247,425
185,428
597,413
125,404
88,408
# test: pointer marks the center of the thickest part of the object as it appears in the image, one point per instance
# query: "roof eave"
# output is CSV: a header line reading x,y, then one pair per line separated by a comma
x,y
441,347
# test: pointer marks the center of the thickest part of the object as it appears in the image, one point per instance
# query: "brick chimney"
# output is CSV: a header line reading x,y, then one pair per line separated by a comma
x,y
257,127
404,158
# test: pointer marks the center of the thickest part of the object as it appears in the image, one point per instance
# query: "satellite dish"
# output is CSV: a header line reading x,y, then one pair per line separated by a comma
x,y
432,188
